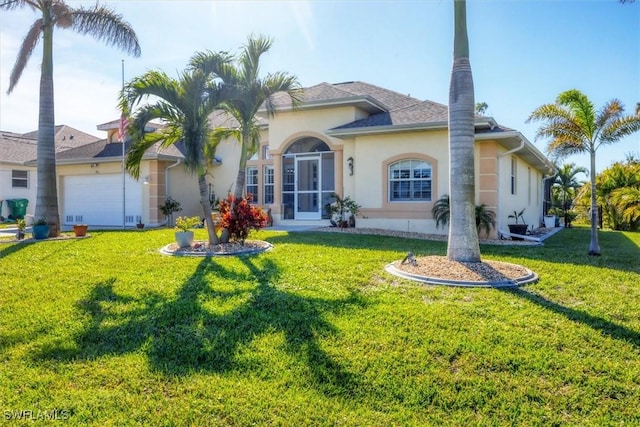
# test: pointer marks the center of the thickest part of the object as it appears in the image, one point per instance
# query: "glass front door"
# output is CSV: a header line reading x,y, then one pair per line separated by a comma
x,y
308,196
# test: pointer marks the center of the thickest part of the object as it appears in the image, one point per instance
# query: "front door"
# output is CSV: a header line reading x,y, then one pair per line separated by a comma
x,y
308,188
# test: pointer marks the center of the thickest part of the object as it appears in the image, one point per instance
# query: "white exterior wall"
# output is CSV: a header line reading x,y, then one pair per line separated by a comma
x,y
8,192
528,195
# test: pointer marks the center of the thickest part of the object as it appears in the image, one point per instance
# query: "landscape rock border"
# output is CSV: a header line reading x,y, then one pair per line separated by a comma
x,y
200,249
528,278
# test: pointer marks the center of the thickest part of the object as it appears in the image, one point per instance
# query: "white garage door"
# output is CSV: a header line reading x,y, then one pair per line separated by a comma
x,y
97,200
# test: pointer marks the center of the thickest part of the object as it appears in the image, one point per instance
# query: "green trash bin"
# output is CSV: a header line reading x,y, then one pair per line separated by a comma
x,y
17,208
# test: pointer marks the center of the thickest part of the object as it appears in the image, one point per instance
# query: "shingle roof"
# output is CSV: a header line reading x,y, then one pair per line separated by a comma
x,y
103,149
16,149
66,137
22,148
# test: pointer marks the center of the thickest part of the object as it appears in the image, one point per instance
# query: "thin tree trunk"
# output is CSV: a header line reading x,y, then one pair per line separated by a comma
x,y
594,245
463,242
47,192
206,207
242,167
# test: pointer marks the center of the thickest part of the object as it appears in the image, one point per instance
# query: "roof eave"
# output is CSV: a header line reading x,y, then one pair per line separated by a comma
x,y
366,103
377,130
518,137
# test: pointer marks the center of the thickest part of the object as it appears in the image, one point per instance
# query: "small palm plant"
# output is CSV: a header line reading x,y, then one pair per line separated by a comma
x,y
515,215
485,218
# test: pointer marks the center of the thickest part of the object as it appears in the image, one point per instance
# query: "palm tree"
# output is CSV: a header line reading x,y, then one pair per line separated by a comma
x,y
566,182
574,126
247,94
184,105
100,22
463,242
485,218
627,201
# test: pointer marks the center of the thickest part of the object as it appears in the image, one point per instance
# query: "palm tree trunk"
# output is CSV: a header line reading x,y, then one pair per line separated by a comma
x,y
47,192
206,207
242,167
594,245
463,242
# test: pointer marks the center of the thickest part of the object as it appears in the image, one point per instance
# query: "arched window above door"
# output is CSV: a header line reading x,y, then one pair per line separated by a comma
x,y
309,144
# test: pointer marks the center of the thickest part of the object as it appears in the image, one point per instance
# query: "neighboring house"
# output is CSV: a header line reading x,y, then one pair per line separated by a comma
x,y
18,175
387,151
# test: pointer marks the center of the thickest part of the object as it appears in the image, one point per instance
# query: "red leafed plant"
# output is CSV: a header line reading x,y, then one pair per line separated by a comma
x,y
239,216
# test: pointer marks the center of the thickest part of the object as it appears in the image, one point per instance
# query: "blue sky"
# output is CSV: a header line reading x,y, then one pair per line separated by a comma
x,y
523,53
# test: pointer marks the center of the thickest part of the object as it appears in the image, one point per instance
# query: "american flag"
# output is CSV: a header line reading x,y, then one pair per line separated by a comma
x,y
122,127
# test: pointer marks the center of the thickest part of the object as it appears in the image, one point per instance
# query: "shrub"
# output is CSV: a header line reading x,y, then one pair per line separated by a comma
x,y
170,206
185,223
239,217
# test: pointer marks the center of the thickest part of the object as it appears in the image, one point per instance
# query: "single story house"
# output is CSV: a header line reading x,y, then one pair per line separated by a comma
x,y
18,174
387,151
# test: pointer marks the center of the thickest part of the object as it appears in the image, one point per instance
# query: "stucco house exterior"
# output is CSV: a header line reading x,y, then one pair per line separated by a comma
x,y
18,174
387,151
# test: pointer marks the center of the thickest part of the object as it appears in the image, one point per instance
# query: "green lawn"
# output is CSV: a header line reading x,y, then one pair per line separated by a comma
x,y
106,331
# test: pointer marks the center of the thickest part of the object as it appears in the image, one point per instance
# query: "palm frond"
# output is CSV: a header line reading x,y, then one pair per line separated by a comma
x,y
618,129
138,148
104,24
441,211
16,4
26,49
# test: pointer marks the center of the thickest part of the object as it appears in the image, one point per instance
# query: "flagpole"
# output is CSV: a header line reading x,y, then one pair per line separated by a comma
x,y
124,210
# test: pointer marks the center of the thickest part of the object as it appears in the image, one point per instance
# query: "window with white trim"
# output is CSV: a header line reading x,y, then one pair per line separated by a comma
x,y
19,179
251,182
410,181
268,185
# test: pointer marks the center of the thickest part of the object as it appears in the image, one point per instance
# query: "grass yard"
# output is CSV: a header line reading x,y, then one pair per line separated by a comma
x,y
106,331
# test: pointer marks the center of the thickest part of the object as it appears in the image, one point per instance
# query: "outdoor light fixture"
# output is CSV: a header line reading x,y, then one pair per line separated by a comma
x,y
350,164
147,180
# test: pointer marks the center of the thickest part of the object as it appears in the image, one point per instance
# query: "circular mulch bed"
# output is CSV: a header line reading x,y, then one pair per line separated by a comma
x,y
202,248
439,270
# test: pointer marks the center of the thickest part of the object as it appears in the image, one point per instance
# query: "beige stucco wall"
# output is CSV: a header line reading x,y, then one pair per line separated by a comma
x,y
8,192
183,187
372,155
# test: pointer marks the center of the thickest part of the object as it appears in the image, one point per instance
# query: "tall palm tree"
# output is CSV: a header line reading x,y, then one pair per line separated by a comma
x,y
98,21
567,182
247,94
463,242
574,126
184,105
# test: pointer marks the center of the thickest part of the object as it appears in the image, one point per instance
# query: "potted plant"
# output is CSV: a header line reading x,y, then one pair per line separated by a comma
x,y
140,224
80,230
21,226
184,234
40,229
518,227
549,220
169,208
340,208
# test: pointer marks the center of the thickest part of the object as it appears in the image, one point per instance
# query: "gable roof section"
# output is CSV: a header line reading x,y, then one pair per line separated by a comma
x,y
21,149
16,149
66,137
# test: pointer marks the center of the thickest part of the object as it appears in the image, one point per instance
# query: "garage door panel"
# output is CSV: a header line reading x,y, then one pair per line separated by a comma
x,y
97,200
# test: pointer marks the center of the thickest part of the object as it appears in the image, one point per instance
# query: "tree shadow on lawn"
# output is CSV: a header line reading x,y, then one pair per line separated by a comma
x,y
597,323
182,335
619,252
347,240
